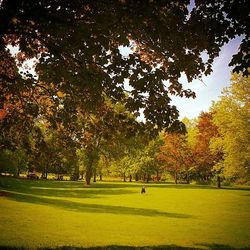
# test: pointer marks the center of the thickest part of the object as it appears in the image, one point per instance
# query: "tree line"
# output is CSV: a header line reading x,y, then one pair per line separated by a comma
x,y
111,142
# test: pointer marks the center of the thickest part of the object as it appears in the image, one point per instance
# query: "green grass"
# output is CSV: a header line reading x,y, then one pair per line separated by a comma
x,y
68,215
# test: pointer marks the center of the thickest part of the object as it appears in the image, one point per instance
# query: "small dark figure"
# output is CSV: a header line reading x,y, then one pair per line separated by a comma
x,y
143,190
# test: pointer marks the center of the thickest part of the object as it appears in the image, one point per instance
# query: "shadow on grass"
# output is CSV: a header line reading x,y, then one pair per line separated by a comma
x,y
78,190
116,247
96,190
92,208
215,246
63,188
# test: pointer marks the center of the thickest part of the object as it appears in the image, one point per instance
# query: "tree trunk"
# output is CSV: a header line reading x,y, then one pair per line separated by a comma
x,y
124,177
17,173
175,178
76,172
144,177
100,177
88,174
187,178
218,182
94,177
130,178
44,173
148,177
136,177
157,174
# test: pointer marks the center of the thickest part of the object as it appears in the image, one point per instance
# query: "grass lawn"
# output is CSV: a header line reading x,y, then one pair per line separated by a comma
x,y
68,215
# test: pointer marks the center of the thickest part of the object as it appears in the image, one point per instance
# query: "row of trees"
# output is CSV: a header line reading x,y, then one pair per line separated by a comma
x,y
112,142
215,146
217,143
62,146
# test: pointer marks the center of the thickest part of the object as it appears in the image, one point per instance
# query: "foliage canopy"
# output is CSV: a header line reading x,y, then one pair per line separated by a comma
x,y
78,47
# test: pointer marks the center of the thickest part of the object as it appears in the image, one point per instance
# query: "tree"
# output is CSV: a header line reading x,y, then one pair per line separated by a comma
x,y
192,130
204,157
128,149
77,47
176,155
13,162
61,148
100,131
232,117
148,160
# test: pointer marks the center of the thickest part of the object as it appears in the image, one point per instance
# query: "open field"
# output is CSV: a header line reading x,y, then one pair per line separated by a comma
x,y
54,214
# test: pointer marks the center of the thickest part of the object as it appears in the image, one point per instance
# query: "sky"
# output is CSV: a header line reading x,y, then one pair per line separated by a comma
x,y
210,89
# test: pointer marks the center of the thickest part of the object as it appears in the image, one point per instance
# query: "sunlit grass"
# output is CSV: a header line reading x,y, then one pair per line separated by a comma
x,y
53,214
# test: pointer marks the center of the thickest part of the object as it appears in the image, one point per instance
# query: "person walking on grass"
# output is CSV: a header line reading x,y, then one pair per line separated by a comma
x,y
143,190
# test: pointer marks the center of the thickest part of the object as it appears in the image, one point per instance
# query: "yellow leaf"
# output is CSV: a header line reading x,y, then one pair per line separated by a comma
x,y
14,20
60,94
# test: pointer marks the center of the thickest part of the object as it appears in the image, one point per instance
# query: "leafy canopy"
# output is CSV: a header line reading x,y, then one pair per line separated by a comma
x,y
78,47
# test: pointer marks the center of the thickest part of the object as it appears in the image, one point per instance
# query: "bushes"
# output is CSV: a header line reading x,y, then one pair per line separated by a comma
x,y
12,162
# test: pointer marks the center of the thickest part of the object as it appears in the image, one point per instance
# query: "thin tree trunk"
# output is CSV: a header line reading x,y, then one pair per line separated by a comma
x,y
76,172
175,178
100,177
17,173
136,177
187,178
124,177
218,182
44,173
88,174
94,179
130,178
157,174
148,177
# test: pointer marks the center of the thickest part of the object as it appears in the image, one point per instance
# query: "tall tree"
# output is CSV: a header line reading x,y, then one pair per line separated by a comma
x,y
148,160
232,117
101,131
204,157
176,155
